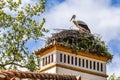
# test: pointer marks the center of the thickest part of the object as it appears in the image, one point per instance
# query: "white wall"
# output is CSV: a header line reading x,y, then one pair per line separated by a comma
x,y
51,70
85,58
83,75
47,55
56,59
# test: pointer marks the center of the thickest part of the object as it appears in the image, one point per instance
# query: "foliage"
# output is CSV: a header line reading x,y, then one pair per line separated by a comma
x,y
80,41
17,27
112,77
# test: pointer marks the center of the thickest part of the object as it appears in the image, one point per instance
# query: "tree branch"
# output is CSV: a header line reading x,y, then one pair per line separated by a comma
x,y
11,63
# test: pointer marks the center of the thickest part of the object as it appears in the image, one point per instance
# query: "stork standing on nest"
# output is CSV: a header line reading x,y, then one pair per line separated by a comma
x,y
80,24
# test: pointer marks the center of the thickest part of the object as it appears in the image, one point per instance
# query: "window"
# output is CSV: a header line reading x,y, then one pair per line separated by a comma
x,y
68,59
101,67
98,66
83,62
60,57
94,66
48,59
86,63
43,62
52,58
75,60
79,61
72,60
90,64
64,58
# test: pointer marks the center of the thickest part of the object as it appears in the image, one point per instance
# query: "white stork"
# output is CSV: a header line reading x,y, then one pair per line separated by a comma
x,y
80,24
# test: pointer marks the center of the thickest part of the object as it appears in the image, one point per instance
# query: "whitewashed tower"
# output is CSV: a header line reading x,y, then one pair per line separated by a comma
x,y
75,52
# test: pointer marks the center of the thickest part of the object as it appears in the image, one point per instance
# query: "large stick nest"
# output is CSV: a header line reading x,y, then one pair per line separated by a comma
x,y
80,41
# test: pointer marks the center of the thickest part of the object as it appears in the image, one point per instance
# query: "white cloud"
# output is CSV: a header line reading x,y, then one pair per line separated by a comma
x,y
100,17
98,14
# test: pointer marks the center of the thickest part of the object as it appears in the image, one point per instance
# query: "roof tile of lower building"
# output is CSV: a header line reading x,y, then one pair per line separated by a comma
x,y
10,74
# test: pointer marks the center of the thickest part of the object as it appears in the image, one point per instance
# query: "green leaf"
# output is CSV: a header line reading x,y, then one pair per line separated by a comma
x,y
16,31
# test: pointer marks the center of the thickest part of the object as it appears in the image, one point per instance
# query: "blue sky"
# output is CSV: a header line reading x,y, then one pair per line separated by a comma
x,y
115,3
52,3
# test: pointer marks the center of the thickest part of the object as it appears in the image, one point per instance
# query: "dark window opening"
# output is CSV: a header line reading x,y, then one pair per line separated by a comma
x,y
52,58
43,62
83,63
68,59
72,60
101,67
48,59
79,61
60,57
86,63
94,66
98,66
75,60
90,64
64,58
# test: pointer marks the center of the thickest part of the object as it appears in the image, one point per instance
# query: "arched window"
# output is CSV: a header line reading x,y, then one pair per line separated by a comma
x,y
61,57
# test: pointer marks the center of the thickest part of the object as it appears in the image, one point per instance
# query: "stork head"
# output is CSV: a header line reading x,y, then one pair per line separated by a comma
x,y
73,17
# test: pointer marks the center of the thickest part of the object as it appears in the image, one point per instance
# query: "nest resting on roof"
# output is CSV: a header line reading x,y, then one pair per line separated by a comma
x,y
80,41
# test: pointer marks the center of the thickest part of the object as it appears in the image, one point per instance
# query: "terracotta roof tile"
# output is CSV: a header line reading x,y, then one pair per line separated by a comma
x,y
9,74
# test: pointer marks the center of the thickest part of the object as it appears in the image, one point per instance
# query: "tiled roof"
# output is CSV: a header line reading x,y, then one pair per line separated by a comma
x,y
18,75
